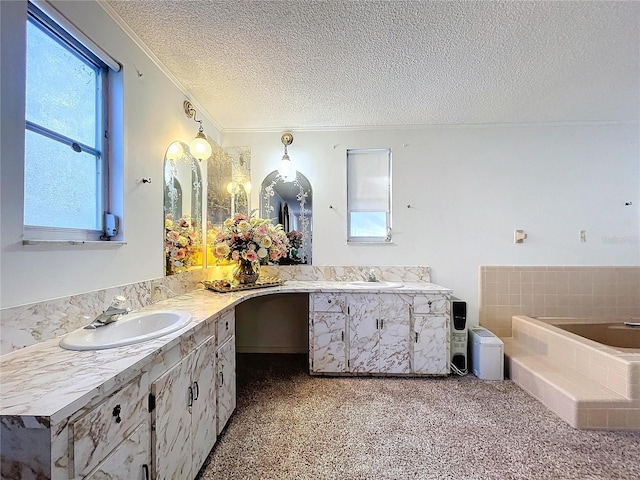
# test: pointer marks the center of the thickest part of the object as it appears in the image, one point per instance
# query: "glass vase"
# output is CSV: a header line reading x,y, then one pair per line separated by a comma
x,y
246,272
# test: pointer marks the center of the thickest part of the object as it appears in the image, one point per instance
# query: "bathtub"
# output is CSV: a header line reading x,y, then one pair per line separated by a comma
x,y
585,371
613,333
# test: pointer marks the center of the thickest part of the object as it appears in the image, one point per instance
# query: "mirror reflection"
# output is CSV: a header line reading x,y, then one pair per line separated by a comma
x,y
239,187
182,210
290,204
228,189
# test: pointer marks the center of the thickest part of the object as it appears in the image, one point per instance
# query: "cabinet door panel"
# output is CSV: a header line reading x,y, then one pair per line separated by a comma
x,y
126,462
226,381
203,413
394,338
328,338
364,338
430,350
171,423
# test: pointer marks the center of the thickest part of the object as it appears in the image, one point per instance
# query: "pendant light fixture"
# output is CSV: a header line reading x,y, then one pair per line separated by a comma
x,y
287,171
199,146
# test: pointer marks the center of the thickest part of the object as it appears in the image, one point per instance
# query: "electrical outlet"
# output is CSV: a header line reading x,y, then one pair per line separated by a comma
x,y
583,236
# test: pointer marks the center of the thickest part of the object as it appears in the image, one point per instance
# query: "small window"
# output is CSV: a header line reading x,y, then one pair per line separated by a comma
x,y
369,195
66,169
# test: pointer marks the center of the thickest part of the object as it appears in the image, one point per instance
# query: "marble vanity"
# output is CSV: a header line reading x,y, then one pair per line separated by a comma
x,y
155,409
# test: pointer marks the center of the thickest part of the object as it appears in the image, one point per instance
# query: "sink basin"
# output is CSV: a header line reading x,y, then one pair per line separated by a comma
x,y
130,329
377,285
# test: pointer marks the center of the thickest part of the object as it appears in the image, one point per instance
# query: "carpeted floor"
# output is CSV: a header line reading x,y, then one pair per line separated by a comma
x,y
289,425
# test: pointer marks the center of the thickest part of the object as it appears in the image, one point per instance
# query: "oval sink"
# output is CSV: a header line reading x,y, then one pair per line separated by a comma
x,y
377,285
129,329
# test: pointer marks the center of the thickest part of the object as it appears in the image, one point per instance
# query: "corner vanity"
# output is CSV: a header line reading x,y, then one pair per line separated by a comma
x,y
154,410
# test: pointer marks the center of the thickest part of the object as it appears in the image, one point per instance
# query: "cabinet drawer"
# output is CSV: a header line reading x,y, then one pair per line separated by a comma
x,y
226,327
434,304
328,303
100,430
129,461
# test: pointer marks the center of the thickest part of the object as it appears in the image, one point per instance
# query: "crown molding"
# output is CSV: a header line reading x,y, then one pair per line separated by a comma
x,y
275,129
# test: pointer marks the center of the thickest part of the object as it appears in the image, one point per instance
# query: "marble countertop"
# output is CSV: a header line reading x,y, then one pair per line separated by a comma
x,y
46,380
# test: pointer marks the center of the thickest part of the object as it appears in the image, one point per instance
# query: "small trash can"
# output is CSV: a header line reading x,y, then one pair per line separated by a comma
x,y
487,354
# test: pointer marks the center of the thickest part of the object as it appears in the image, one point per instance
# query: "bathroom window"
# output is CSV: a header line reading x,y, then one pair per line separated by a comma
x,y
66,191
369,195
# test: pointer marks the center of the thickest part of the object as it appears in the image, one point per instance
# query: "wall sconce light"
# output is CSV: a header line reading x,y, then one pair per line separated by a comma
x,y
199,146
287,171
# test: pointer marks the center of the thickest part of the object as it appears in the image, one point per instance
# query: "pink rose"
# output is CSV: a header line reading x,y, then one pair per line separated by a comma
x,y
251,255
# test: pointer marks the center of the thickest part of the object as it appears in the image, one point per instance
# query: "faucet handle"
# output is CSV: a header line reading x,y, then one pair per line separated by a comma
x,y
119,301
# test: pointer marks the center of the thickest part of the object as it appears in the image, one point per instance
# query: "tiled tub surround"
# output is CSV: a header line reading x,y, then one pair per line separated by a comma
x,y
46,389
26,325
556,291
587,384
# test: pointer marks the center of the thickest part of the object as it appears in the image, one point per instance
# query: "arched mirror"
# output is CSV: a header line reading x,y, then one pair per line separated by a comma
x,y
182,210
290,203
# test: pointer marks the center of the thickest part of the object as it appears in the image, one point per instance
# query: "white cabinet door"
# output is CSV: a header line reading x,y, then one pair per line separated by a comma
x,y
131,460
328,339
379,335
226,372
394,319
364,337
171,423
183,421
203,410
430,345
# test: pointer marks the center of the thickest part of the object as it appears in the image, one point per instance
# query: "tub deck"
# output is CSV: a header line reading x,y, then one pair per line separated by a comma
x,y
587,384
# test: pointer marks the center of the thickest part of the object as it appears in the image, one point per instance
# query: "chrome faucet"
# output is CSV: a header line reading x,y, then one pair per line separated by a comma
x,y
371,276
111,314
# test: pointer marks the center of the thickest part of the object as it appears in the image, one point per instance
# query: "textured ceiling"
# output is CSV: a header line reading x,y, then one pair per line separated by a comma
x,y
339,63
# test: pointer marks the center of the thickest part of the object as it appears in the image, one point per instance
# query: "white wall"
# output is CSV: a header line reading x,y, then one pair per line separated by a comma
x,y
469,188
153,118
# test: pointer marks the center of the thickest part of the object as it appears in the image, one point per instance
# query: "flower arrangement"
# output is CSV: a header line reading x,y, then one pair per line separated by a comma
x,y
182,244
250,239
295,242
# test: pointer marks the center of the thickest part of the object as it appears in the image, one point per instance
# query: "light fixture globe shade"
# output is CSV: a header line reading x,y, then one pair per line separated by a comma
x,y
286,170
174,152
199,147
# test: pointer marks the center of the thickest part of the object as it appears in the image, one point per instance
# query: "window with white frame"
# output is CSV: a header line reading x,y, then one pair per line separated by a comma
x,y
369,195
66,190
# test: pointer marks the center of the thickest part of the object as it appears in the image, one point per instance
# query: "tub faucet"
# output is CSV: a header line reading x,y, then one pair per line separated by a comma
x,y
111,314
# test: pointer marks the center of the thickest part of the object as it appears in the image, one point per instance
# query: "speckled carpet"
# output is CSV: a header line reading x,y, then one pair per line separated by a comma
x,y
289,425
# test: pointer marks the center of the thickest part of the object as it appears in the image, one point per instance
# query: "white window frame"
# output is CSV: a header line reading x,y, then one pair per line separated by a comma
x,y
66,34
355,176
